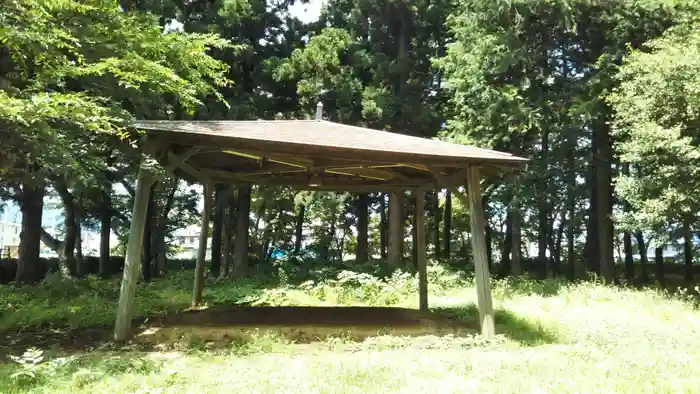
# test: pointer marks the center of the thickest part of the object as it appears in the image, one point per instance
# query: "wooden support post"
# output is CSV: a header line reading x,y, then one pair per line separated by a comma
x,y
202,252
132,262
396,235
420,248
481,269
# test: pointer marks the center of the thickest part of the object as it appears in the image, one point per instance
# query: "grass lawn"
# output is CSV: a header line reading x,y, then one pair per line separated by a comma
x,y
554,337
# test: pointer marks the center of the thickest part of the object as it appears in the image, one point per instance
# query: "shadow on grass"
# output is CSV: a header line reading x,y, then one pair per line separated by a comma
x,y
519,329
245,327
73,316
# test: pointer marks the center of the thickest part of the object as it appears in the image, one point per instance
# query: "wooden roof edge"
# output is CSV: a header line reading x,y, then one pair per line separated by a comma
x,y
496,157
485,150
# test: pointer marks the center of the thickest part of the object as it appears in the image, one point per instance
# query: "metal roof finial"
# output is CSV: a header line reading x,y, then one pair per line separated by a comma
x,y
319,111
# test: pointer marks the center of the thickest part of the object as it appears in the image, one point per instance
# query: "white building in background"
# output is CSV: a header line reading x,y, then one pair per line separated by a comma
x,y
187,240
9,238
10,227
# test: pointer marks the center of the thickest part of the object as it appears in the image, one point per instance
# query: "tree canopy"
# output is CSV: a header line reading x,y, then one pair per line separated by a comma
x,y
602,96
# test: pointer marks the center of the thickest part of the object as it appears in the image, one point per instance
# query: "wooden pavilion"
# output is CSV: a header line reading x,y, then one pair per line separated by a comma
x,y
317,155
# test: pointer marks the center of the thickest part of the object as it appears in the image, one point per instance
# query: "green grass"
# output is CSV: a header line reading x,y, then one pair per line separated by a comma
x,y
554,337
92,302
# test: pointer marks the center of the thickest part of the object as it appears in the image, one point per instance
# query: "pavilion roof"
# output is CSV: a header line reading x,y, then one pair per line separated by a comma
x,y
314,154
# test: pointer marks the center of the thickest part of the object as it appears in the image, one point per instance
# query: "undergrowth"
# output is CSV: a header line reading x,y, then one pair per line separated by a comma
x,y
625,339
91,302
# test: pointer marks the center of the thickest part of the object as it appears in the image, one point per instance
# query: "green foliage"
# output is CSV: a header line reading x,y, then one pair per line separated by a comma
x,y
546,328
658,114
34,369
68,63
257,343
530,77
369,63
90,302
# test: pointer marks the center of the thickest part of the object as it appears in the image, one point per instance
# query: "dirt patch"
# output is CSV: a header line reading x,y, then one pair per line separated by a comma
x,y
302,315
71,340
239,323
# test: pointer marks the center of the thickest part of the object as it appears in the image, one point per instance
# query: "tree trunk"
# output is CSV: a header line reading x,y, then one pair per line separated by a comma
x,y
688,252
216,231
641,246
577,267
488,235
340,246
554,244
507,245
31,204
80,265
240,263
447,225
383,226
396,230
436,223
421,264
659,265
543,208
299,229
147,253
362,251
542,241
52,243
558,246
68,263
229,226
161,249
603,162
627,238
414,239
629,256
267,237
515,260
325,253
105,227
592,247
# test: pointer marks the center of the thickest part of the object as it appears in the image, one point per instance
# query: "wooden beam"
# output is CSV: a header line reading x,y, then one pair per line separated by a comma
x,y
416,167
301,180
178,162
355,171
358,175
292,161
132,262
449,183
481,268
202,251
420,247
182,158
369,170
271,172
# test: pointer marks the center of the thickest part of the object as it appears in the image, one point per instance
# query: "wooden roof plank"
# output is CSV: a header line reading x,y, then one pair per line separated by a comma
x,y
336,156
326,136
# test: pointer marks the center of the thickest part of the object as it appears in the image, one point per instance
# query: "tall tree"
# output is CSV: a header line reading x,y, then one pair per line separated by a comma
x,y
75,72
524,75
657,125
